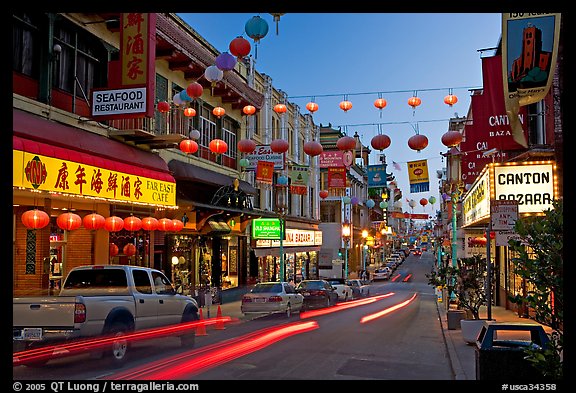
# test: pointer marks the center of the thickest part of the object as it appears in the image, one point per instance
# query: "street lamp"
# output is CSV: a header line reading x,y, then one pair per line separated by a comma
x,y
346,231
282,209
364,248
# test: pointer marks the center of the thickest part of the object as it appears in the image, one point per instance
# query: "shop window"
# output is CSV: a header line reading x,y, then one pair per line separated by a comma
x,y
57,258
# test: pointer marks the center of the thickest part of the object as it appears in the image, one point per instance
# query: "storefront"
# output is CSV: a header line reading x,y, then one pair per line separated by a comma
x,y
71,175
533,185
300,249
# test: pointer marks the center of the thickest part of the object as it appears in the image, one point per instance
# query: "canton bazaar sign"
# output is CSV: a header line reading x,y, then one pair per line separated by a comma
x,y
50,174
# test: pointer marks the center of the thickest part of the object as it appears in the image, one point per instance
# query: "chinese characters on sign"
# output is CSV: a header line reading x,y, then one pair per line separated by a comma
x,y
57,175
418,176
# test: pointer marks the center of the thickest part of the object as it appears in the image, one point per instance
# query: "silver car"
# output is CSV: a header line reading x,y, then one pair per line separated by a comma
x,y
272,297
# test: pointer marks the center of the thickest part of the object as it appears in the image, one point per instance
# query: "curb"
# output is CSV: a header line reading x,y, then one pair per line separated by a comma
x,y
457,368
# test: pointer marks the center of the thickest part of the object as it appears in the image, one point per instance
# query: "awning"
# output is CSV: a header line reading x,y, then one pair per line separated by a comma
x,y
275,251
36,135
219,226
188,172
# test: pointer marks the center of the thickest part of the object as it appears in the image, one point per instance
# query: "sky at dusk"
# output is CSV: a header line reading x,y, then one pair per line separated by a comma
x,y
327,57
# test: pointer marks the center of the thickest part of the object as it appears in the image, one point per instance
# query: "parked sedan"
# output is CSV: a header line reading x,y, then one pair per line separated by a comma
x,y
382,274
317,293
272,297
343,289
360,288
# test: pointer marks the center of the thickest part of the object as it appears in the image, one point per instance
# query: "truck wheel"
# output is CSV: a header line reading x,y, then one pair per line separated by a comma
x,y
119,348
188,340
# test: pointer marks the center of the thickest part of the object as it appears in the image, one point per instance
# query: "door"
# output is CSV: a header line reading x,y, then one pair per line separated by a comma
x,y
144,299
169,305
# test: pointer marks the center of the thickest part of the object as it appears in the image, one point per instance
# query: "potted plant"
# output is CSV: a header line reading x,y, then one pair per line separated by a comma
x,y
471,294
443,280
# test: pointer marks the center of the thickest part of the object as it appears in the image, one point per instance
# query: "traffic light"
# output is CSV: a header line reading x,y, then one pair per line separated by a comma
x,y
340,253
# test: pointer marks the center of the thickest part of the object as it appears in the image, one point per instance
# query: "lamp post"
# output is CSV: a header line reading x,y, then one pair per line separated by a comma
x,y
281,209
364,247
346,231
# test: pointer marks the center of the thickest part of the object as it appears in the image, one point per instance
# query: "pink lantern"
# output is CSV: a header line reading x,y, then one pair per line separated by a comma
x,y
418,142
194,90
279,146
380,142
346,143
313,148
246,145
451,138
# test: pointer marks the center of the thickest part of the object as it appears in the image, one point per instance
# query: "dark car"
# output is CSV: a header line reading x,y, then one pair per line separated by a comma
x,y
317,293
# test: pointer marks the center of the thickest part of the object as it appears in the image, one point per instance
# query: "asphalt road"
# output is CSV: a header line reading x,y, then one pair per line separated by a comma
x,y
402,341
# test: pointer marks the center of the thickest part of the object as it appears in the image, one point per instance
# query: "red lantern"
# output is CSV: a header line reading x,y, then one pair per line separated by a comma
x,y
177,225
313,148
113,224
189,146
113,250
380,142
345,105
451,138
418,142
165,224
312,107
380,103
279,146
346,143
163,107
189,112
93,221
194,90
240,47
323,194
249,110
450,99
132,223
129,249
246,145
219,111
280,109
414,102
423,202
35,219
218,146
149,223
69,221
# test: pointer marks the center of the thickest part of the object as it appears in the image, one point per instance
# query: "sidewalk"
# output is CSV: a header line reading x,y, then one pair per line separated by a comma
x,y
463,355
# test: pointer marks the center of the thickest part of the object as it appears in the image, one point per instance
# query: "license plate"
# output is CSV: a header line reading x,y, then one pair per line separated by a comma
x,y
32,333
259,300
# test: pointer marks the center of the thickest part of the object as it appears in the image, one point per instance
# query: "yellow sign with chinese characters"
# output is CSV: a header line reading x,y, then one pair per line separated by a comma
x,y
50,174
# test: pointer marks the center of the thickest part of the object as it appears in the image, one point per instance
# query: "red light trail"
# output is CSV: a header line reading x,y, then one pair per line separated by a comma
x,y
388,310
343,306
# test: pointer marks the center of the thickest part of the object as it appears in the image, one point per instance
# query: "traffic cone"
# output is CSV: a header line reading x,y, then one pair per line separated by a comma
x,y
201,329
219,324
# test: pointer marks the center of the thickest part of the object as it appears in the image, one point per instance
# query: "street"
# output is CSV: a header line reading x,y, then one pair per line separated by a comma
x,y
402,341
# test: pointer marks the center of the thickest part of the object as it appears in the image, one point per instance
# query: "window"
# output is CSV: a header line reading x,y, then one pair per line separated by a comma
x,y
161,284
25,44
142,281
229,136
96,278
83,62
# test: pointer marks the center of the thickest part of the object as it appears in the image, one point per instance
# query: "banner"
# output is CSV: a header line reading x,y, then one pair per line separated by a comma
x,y
530,49
299,177
264,172
337,177
377,175
418,176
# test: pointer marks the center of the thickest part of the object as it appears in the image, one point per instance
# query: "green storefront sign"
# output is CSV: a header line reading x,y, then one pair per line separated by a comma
x,y
266,228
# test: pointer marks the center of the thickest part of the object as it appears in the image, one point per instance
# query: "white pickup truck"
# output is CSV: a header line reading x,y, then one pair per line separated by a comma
x,y
100,300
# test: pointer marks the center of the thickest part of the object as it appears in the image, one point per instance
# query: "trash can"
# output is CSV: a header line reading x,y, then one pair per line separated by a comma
x,y
454,317
501,359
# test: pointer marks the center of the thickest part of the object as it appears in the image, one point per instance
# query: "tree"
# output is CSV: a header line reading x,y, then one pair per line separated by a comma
x,y
539,261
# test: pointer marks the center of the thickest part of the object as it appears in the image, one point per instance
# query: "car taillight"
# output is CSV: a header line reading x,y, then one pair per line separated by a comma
x,y
246,299
275,299
79,313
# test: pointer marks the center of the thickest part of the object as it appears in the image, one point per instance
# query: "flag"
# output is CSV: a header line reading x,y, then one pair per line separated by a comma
x,y
396,165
